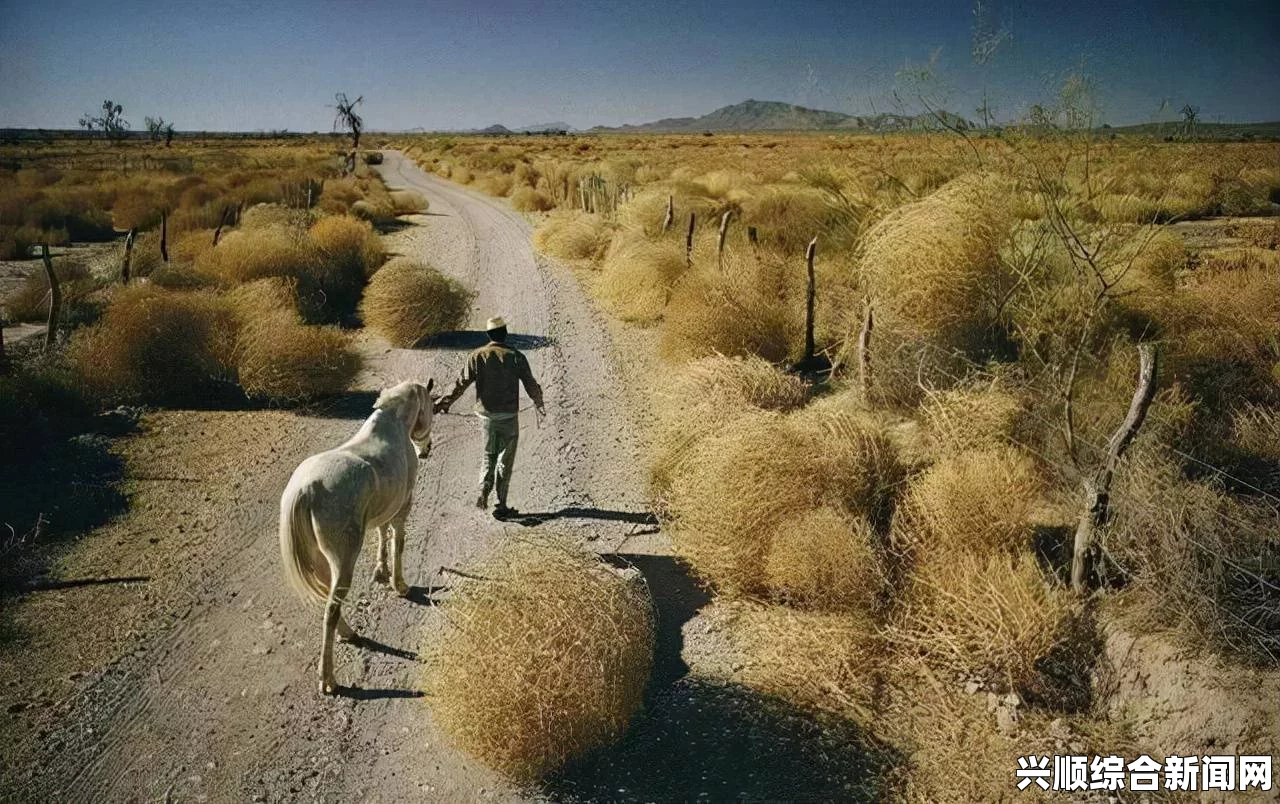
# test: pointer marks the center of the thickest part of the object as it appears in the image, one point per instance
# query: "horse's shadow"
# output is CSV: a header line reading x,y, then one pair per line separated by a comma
x,y
368,643
424,595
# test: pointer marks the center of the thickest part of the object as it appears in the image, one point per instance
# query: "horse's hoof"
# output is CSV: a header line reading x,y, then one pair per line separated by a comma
x,y
402,589
328,688
381,575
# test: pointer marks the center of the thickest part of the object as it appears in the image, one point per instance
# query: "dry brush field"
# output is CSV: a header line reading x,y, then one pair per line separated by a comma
x,y
894,545
887,546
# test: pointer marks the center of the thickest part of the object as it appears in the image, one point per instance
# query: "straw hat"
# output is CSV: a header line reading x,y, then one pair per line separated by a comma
x,y
494,323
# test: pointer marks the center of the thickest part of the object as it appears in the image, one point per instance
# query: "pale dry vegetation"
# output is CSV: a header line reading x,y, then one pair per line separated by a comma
x,y
408,300
546,655
898,552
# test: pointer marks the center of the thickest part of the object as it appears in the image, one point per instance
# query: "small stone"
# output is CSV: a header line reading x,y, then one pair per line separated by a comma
x,y
971,687
993,701
1006,720
1012,699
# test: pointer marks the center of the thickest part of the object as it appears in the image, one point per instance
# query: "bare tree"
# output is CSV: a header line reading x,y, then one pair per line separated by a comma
x,y
111,122
1190,116
345,117
155,127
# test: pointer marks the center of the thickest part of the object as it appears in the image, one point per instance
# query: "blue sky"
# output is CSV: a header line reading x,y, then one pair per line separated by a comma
x,y
233,65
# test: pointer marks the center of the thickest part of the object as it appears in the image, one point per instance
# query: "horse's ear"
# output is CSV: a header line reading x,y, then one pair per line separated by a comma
x,y
431,383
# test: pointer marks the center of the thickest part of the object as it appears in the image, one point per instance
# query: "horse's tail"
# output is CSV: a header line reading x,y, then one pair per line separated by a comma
x,y
305,567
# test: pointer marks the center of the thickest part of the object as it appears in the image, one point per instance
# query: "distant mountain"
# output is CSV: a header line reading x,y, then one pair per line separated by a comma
x,y
754,115
540,128
496,128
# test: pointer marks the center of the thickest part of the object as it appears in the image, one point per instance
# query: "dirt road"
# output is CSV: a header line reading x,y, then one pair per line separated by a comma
x,y
216,696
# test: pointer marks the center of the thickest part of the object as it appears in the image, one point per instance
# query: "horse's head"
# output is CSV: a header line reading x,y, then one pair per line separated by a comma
x,y
420,430
412,403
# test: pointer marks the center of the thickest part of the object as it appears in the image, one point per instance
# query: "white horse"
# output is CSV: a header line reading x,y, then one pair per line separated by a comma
x,y
335,497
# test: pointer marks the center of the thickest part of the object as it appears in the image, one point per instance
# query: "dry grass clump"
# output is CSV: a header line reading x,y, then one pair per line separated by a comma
x,y
244,255
266,216
737,309
814,659
707,393
545,656
967,419
786,217
573,236
1200,564
994,617
639,275
409,202
826,558
495,184
30,302
975,500
350,246
277,357
742,486
408,300
527,199
156,345
933,267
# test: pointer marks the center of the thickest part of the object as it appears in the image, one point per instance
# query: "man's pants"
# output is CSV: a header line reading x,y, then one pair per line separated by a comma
x,y
500,439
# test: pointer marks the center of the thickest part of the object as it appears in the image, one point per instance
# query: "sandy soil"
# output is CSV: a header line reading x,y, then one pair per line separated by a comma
x,y
196,679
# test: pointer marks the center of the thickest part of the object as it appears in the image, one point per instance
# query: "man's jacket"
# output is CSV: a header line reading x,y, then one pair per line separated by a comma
x,y
497,370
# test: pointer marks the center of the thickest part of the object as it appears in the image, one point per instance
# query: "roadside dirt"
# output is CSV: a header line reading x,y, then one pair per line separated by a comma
x,y
180,668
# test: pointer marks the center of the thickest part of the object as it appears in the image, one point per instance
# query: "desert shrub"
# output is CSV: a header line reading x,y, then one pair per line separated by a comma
x,y
1200,564
350,246
188,246
545,656
407,301
723,515
786,217
735,310
180,277
977,500
39,404
975,418
19,242
993,617
826,559
267,216
495,184
704,395
527,199
409,202
330,269
244,255
933,266
572,235
154,345
639,275
30,302
461,174
277,357
815,660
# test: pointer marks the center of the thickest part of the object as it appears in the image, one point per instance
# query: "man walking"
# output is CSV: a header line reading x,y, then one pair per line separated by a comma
x,y
498,371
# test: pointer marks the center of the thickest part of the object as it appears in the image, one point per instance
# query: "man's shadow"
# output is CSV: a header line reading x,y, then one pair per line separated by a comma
x,y
533,519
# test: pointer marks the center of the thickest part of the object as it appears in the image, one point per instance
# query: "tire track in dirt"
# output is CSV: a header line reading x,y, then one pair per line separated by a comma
x,y
222,704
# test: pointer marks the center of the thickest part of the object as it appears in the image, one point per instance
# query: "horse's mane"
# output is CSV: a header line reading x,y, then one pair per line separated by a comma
x,y
395,397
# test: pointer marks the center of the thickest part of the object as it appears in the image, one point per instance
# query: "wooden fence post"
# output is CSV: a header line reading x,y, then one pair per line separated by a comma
x,y
164,236
810,297
864,350
1098,487
55,297
217,233
669,218
128,255
724,229
4,358
688,241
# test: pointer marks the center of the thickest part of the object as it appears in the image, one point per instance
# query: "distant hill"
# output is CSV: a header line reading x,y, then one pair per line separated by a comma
x,y
754,115
1203,131
541,128
496,128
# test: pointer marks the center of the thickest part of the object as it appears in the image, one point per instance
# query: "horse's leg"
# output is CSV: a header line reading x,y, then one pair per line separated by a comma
x,y
341,567
380,572
397,549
